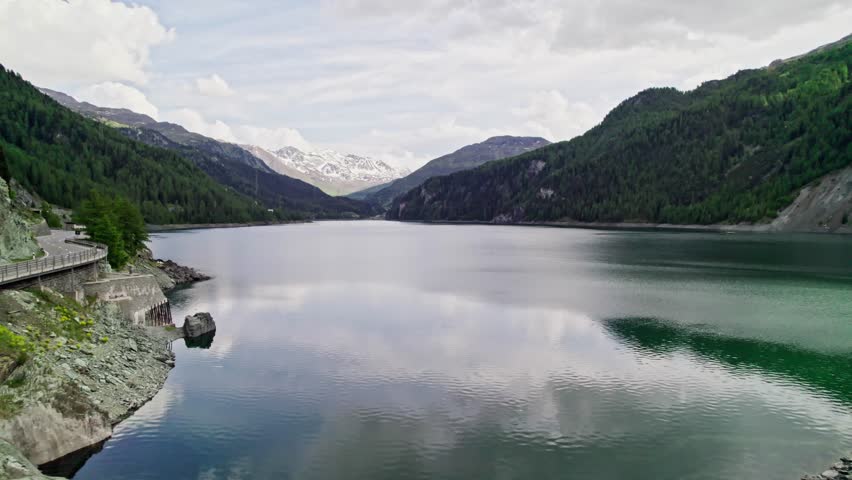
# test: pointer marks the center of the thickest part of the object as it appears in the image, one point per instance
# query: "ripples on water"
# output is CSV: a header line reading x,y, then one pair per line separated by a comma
x,y
382,350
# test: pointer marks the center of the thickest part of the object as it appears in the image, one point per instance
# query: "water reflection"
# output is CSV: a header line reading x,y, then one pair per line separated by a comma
x,y
70,464
202,341
825,372
375,350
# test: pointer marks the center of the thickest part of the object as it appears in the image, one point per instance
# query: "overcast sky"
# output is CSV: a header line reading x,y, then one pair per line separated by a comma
x,y
401,80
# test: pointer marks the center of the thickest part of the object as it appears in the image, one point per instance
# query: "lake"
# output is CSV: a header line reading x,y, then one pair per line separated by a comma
x,y
380,350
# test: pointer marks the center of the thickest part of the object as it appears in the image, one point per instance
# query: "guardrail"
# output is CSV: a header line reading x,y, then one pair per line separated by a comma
x,y
33,268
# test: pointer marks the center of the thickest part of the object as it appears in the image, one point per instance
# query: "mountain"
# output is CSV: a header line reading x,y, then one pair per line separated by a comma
x,y
228,164
62,156
471,156
734,150
334,173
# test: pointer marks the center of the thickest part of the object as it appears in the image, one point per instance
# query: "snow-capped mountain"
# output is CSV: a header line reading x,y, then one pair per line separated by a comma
x,y
333,172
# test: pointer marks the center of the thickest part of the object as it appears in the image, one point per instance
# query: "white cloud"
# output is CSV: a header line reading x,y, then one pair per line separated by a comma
x,y
272,138
118,95
597,24
53,42
213,86
401,80
550,115
268,138
194,121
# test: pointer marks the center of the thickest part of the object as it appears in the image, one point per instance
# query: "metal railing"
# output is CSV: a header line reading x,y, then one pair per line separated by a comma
x,y
32,268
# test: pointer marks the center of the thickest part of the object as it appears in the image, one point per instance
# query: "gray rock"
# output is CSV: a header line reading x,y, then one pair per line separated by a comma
x,y
14,465
198,324
15,469
830,474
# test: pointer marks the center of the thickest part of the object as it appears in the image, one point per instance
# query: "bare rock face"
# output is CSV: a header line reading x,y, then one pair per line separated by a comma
x,y
823,206
16,239
14,465
198,324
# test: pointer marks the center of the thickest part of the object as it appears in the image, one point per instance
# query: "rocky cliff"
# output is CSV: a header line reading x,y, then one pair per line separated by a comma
x,y
822,206
15,466
16,238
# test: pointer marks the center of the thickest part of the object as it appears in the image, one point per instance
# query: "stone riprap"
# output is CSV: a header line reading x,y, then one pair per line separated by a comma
x,y
841,470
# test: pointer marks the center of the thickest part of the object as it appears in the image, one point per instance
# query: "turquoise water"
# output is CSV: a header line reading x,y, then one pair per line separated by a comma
x,y
371,350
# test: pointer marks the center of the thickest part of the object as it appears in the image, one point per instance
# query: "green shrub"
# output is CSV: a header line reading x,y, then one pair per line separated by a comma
x,y
14,345
52,219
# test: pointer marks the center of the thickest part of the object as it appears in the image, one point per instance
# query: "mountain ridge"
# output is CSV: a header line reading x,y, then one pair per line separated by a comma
x,y
731,151
227,163
469,156
333,172
64,155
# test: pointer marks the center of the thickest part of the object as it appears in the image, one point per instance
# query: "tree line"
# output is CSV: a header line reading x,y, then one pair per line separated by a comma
x,y
730,151
63,156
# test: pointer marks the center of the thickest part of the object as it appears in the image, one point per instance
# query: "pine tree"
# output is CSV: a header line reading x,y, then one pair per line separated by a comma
x,y
5,174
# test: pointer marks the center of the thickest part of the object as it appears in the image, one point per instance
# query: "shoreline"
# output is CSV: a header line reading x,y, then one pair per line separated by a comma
x,y
172,227
630,226
89,369
158,334
841,470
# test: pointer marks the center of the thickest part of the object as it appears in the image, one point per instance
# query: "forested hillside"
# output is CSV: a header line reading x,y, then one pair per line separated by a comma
x,y
470,156
228,164
734,150
62,156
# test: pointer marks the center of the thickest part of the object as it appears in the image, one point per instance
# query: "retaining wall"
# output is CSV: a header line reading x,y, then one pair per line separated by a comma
x,y
134,294
68,282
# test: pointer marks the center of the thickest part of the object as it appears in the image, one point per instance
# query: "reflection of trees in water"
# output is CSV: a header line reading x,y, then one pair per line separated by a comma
x,y
180,295
70,464
787,257
201,341
830,373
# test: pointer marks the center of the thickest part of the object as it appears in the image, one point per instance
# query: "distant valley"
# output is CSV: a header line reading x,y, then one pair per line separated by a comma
x,y
471,156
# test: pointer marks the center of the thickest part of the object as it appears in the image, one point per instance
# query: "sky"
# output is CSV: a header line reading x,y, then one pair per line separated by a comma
x,y
404,81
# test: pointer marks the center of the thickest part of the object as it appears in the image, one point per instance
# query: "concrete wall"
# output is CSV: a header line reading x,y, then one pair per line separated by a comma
x,y
134,294
68,282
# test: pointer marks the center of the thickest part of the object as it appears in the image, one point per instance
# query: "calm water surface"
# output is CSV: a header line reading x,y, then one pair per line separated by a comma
x,y
377,350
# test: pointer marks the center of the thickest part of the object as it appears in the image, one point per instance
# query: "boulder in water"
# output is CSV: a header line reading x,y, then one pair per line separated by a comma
x,y
198,324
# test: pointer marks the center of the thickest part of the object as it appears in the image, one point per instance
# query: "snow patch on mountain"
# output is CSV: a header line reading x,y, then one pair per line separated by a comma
x,y
334,172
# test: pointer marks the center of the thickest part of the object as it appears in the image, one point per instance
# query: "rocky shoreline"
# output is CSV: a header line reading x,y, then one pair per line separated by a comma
x,y
169,275
69,372
197,226
82,369
180,275
841,470
714,228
